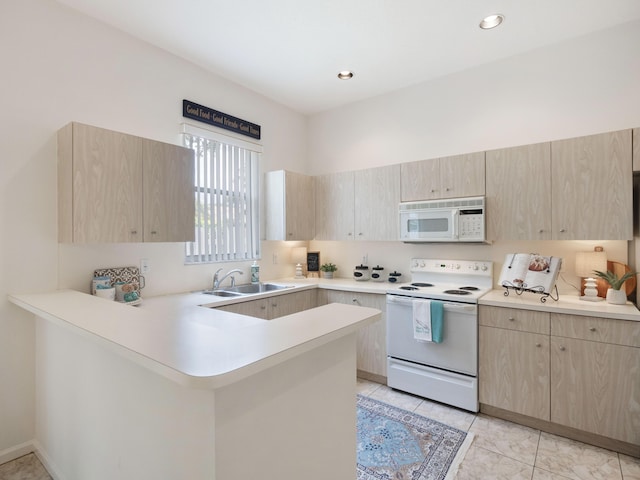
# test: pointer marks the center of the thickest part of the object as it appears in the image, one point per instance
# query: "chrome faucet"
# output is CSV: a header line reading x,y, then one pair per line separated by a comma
x,y
218,280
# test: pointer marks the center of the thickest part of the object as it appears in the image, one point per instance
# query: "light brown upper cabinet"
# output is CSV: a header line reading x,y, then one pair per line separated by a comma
x,y
448,177
592,187
335,206
114,187
168,192
360,205
377,195
518,195
290,212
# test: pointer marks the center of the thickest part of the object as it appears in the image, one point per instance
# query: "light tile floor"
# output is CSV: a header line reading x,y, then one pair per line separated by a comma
x,y
27,467
503,450
500,450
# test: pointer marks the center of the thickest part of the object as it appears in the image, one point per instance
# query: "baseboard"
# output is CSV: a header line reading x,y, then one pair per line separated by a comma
x,y
626,448
46,461
374,377
16,452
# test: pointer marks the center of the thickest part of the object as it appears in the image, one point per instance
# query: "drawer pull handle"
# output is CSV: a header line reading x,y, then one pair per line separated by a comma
x,y
538,345
511,319
592,329
562,349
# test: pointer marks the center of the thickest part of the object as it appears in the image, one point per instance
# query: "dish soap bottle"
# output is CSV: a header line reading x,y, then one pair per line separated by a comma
x,y
255,272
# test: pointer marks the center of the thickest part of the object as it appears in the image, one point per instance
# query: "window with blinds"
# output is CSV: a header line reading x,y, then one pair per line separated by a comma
x,y
226,196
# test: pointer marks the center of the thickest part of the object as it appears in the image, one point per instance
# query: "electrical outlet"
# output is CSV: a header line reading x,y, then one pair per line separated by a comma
x,y
274,258
144,266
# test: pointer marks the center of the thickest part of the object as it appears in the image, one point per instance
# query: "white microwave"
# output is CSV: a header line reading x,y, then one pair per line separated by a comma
x,y
451,220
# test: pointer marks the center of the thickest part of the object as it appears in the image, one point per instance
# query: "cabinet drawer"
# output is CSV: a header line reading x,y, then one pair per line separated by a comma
x,y
514,319
607,330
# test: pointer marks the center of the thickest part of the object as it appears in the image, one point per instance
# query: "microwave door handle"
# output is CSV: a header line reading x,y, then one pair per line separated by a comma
x,y
454,219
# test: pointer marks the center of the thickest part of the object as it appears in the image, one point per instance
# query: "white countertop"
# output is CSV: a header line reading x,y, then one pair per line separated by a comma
x,y
569,304
196,346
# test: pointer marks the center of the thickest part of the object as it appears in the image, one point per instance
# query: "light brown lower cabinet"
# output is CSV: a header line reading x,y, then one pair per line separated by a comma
x,y
595,383
276,306
514,371
580,378
372,339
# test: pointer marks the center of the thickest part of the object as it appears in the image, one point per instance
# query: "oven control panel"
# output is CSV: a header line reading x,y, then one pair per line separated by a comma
x,y
463,267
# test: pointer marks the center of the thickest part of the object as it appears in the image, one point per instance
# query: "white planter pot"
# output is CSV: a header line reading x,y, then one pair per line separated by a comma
x,y
327,274
616,297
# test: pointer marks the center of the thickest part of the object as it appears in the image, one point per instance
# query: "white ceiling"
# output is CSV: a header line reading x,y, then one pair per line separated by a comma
x,y
292,50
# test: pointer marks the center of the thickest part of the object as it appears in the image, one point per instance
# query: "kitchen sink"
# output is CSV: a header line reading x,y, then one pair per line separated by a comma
x,y
222,293
253,288
242,290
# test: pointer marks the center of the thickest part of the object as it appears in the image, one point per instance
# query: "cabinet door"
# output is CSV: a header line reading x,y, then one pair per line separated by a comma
x,y
372,339
591,182
377,195
300,202
107,175
420,180
281,305
514,319
519,193
595,387
514,371
169,195
254,308
462,176
335,206
290,211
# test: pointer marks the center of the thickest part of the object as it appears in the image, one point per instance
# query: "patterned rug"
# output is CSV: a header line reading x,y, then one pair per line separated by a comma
x,y
395,444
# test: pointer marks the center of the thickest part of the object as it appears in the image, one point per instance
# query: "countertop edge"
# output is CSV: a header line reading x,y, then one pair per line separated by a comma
x,y
283,349
566,304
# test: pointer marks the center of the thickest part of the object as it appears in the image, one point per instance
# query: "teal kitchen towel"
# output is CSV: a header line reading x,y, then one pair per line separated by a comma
x,y
437,321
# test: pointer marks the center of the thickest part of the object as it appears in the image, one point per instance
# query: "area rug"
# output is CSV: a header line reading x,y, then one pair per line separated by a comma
x,y
395,444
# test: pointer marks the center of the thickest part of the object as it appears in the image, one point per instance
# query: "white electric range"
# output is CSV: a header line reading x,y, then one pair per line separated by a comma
x,y
447,371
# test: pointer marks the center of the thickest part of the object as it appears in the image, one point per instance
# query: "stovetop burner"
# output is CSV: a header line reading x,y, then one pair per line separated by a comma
x,y
457,292
460,281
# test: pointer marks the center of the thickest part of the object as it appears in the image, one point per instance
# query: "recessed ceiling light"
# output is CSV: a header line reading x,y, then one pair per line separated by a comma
x,y
345,75
492,21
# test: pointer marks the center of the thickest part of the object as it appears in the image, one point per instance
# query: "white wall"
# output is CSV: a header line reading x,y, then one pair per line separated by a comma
x,y
579,87
59,66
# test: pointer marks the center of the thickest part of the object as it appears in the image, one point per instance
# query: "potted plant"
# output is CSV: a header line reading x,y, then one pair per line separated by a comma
x,y
327,270
614,294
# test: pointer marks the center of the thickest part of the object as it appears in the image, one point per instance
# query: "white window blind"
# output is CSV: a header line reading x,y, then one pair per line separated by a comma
x,y
226,196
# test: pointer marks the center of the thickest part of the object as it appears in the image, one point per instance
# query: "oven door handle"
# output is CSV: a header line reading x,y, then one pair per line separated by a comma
x,y
408,301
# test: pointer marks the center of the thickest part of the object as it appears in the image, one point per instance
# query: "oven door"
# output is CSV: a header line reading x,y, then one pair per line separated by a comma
x,y
458,351
429,225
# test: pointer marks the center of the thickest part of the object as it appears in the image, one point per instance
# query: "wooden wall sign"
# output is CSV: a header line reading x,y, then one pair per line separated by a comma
x,y
218,119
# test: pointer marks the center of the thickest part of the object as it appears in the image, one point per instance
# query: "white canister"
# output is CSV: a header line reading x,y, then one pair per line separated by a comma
x,y
108,293
395,277
377,274
361,273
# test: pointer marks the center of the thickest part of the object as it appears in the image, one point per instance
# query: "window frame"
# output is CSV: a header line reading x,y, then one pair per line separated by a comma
x,y
249,155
